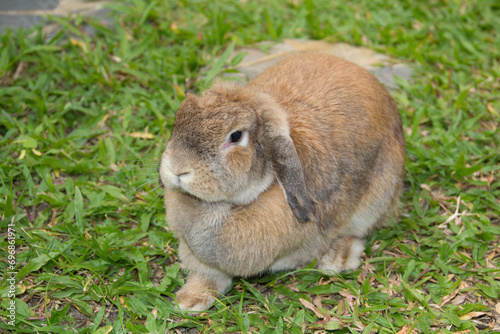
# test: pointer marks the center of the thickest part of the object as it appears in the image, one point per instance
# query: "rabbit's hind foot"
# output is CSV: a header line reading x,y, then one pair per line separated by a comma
x,y
343,254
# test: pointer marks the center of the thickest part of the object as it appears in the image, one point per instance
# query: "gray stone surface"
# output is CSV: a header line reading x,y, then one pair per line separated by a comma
x,y
387,74
256,60
27,13
24,5
18,21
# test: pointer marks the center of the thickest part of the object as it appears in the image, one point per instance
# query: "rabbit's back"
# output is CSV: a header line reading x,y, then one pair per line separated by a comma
x,y
346,129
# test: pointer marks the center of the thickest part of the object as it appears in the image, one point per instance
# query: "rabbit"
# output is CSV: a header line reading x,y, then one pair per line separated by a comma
x,y
299,164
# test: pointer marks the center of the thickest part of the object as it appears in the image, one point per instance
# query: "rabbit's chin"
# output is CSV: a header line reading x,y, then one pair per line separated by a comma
x,y
209,198
245,196
250,193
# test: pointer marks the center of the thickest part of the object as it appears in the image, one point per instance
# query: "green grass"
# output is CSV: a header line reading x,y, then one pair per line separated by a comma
x,y
84,120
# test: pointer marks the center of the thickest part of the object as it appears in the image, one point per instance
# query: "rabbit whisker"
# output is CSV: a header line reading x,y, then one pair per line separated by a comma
x,y
141,186
152,204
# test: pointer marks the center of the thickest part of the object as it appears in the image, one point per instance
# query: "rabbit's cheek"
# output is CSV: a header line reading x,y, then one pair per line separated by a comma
x,y
248,176
253,189
239,161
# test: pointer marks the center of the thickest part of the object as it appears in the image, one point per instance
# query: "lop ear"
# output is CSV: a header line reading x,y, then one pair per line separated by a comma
x,y
280,150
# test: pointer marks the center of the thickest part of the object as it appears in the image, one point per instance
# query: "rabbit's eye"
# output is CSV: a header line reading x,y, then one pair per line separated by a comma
x,y
235,137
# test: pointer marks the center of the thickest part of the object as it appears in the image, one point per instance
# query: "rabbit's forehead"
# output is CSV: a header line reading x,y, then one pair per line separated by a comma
x,y
202,132
214,120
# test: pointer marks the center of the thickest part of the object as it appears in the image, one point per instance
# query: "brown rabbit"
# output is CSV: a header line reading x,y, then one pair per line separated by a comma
x,y
301,163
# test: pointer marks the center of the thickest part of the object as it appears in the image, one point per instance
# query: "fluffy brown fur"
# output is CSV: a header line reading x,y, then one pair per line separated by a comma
x,y
318,165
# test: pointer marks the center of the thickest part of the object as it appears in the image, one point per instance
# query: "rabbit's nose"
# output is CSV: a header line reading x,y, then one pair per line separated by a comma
x,y
179,171
182,174
183,179
177,167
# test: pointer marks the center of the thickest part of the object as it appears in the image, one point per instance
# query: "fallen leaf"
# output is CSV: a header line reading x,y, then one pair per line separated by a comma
x,y
360,325
174,27
491,255
349,298
425,187
492,109
19,70
104,330
113,167
102,121
140,196
313,308
471,315
458,300
317,301
497,308
22,155
178,89
53,218
142,135
490,265
403,330
448,298
104,74
79,43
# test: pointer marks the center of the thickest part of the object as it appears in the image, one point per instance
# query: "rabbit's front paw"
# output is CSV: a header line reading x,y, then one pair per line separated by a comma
x,y
193,302
199,293
344,254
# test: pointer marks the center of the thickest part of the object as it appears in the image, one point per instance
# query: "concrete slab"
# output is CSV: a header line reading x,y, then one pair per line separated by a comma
x,y
18,21
256,60
27,13
27,5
